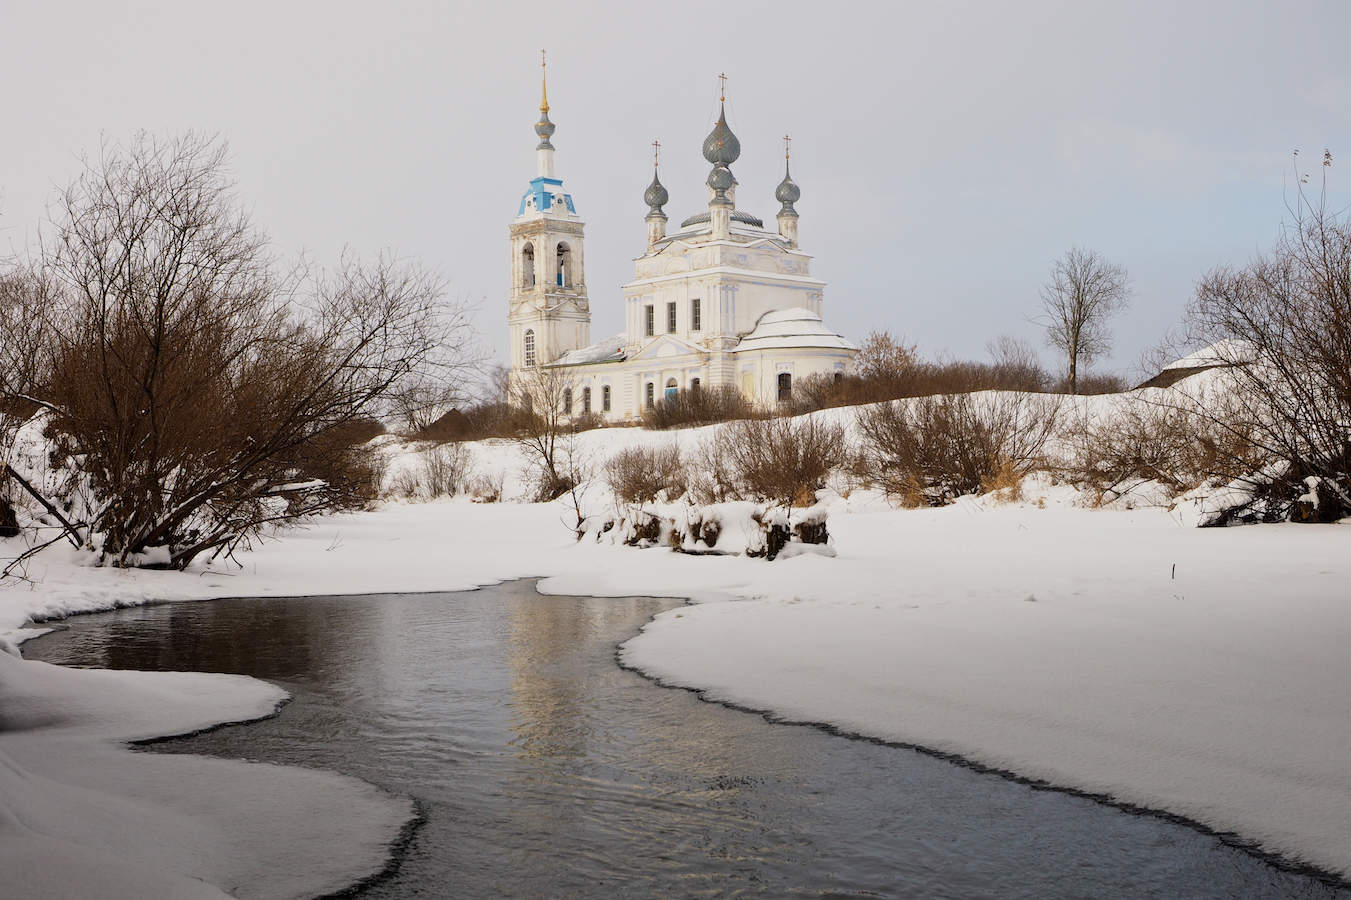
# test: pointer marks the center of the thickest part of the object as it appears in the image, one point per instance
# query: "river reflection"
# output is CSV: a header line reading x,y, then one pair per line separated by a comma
x,y
545,770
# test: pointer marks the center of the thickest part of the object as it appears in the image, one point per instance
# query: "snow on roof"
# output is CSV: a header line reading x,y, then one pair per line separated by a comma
x,y
609,350
792,328
1221,353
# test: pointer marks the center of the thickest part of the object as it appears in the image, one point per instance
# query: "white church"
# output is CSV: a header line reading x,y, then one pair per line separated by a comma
x,y
721,301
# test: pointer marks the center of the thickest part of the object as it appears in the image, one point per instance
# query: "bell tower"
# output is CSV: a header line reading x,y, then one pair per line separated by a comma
x,y
548,309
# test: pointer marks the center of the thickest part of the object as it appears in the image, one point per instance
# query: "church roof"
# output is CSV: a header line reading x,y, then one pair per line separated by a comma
x,y
737,216
609,350
791,329
544,190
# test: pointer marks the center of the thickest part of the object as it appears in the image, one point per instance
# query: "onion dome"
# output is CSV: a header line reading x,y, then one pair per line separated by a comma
x,y
721,148
720,179
787,193
655,196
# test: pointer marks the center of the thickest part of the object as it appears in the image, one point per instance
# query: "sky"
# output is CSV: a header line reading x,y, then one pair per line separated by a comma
x,y
947,153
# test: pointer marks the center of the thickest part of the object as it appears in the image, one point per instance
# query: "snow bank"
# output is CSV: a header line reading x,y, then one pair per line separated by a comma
x,y
81,815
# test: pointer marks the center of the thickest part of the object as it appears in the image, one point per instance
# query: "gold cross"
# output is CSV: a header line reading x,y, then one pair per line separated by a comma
x,y
786,140
656,147
722,94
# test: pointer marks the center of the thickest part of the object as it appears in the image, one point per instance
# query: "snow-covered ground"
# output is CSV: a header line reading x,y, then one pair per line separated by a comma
x,y
1121,652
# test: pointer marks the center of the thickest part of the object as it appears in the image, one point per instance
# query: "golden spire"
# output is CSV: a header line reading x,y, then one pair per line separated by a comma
x,y
543,85
786,141
656,148
722,92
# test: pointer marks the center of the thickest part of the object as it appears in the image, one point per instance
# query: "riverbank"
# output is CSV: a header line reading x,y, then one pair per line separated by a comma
x,y
1196,671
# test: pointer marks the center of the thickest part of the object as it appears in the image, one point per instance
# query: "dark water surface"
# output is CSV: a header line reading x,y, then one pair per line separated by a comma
x,y
545,770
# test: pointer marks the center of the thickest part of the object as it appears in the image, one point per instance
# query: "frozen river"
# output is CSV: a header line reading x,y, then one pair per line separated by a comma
x,y
544,769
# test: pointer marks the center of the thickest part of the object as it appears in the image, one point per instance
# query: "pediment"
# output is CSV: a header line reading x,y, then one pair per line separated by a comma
x,y
668,345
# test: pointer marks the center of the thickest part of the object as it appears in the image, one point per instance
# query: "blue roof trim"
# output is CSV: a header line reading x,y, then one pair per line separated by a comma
x,y
543,190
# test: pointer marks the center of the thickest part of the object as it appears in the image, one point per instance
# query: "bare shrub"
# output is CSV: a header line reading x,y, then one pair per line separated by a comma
x,y
1138,441
1282,327
884,358
931,450
486,487
1088,384
698,406
1015,366
779,460
444,470
919,379
642,474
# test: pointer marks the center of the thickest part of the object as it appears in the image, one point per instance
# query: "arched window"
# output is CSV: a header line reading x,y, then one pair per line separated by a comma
x,y
605,398
649,394
567,401
671,389
528,266
530,346
586,401
839,376
785,387
564,264
694,385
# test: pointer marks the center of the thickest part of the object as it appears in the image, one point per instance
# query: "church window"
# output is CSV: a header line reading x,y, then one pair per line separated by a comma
x,y
586,401
785,387
694,383
605,398
529,346
567,401
651,321
839,376
565,278
695,324
528,266
671,389
649,395
670,318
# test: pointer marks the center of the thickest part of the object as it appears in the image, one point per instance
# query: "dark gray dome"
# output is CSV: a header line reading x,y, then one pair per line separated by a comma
x,y
545,129
787,193
720,179
655,196
721,148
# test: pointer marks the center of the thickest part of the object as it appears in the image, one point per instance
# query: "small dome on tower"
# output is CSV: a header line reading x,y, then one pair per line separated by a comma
x,y
545,129
720,179
721,147
655,196
787,193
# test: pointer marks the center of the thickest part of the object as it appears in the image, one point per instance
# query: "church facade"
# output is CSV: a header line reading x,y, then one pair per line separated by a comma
x,y
722,300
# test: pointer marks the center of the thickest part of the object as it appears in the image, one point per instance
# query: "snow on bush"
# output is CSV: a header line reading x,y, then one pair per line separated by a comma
x,y
733,528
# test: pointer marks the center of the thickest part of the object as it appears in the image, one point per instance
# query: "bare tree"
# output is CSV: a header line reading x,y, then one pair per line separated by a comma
x,y
199,389
542,396
1084,292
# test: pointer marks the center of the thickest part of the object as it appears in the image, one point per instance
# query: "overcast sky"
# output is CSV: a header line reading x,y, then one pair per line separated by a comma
x,y
947,152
